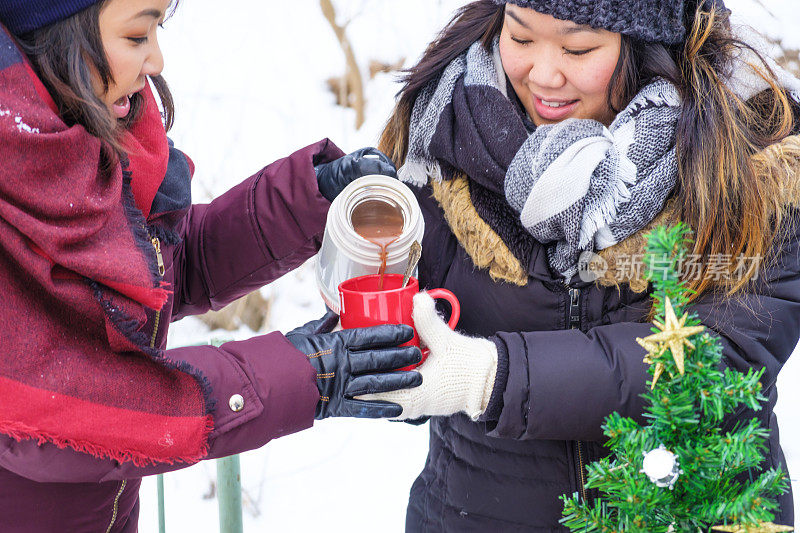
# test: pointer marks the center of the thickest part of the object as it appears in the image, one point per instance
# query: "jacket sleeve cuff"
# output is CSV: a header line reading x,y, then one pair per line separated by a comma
x,y
263,389
563,383
495,405
279,392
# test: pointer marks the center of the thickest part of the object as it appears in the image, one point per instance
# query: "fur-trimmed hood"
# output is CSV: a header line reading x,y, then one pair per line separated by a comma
x,y
487,250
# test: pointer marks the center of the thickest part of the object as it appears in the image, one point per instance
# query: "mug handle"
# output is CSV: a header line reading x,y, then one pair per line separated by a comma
x,y
455,306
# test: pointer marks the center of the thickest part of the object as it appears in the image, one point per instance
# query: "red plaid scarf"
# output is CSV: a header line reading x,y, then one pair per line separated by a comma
x,y
77,271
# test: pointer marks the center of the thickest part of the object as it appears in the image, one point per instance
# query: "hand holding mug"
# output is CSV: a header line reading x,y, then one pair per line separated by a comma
x,y
458,375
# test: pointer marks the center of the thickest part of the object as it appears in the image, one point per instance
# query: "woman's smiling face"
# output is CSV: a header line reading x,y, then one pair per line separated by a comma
x,y
128,30
558,69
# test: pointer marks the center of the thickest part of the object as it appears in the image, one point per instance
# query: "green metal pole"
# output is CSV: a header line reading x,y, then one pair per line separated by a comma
x,y
162,524
229,493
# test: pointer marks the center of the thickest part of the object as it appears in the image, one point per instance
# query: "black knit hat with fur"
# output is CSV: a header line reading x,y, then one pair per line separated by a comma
x,y
654,21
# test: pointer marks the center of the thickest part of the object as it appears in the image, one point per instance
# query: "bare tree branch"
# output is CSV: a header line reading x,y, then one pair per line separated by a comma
x,y
765,8
351,90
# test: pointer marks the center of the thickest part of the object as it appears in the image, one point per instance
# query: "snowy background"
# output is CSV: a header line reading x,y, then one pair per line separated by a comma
x,y
249,83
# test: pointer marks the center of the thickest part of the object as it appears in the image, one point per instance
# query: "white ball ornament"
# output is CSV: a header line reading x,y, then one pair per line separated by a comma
x,y
661,466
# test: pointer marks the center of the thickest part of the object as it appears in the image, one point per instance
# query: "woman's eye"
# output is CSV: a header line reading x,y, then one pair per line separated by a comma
x,y
521,41
578,52
138,40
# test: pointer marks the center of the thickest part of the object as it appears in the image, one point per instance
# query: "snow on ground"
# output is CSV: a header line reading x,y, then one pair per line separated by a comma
x,y
249,80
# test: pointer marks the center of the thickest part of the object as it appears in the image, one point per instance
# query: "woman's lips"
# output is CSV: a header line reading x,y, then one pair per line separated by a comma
x,y
554,110
122,107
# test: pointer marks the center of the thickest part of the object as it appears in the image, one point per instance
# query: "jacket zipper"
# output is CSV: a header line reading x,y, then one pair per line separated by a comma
x,y
116,505
574,322
574,308
161,270
159,257
581,478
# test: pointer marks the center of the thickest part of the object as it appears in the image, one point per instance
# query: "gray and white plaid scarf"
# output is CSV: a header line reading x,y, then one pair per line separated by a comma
x,y
577,184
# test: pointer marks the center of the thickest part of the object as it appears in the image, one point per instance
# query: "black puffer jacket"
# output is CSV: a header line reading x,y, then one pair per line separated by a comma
x,y
572,360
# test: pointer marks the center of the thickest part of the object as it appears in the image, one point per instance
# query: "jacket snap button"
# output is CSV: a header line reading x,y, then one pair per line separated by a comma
x,y
236,403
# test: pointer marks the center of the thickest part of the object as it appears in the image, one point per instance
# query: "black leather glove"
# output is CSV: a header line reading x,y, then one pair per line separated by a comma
x,y
333,177
358,361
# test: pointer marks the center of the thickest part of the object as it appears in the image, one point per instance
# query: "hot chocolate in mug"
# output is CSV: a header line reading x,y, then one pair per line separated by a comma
x,y
363,304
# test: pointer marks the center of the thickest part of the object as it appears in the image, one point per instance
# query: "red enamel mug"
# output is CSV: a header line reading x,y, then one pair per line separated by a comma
x,y
363,304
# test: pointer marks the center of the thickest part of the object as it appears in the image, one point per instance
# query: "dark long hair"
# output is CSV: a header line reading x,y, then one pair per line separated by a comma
x,y
732,208
64,55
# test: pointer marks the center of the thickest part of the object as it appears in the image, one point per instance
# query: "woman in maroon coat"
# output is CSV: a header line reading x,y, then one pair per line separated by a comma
x,y
100,249
543,132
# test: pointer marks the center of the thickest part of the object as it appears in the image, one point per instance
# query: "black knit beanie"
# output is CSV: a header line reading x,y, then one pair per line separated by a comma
x,y
22,16
654,21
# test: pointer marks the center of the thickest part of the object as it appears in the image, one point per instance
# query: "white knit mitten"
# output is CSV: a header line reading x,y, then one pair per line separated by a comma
x,y
458,375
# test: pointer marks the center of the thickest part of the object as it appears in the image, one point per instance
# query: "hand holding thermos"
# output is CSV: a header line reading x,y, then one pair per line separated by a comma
x,y
334,176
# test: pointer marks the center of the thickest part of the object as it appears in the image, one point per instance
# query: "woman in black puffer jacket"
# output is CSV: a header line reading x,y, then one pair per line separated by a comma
x,y
537,131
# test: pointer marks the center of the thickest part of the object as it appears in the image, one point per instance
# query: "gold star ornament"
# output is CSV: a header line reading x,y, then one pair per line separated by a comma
x,y
673,335
654,353
762,527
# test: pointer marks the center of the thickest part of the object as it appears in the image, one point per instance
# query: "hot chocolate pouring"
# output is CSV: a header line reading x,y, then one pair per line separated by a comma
x,y
381,223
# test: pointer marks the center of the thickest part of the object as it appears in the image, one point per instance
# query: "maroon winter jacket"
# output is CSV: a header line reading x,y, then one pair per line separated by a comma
x,y
253,234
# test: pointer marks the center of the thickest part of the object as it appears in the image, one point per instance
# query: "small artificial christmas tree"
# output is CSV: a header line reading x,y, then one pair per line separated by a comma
x,y
678,473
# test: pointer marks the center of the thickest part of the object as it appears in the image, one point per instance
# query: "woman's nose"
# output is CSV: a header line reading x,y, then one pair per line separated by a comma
x,y
155,62
546,73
